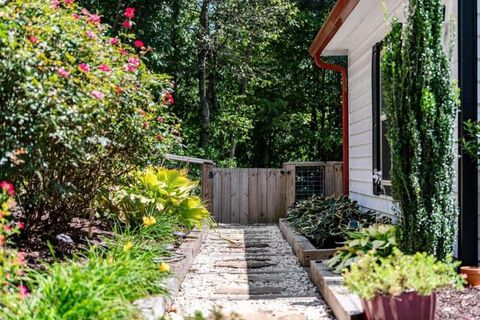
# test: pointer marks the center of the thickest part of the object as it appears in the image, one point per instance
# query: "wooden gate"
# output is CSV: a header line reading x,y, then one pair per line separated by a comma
x,y
247,196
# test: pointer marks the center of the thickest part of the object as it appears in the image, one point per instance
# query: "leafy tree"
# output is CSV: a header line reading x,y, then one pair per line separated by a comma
x,y
421,103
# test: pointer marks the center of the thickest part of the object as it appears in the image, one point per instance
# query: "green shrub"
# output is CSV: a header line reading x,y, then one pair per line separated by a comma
x,y
100,286
155,194
378,240
77,109
421,105
373,275
325,219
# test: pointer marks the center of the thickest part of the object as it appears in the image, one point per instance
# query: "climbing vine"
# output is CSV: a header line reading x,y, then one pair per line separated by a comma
x,y
421,101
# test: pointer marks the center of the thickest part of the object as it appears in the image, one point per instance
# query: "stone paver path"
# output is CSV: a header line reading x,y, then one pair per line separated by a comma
x,y
254,274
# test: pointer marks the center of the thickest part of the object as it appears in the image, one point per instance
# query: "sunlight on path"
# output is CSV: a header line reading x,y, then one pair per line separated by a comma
x,y
250,270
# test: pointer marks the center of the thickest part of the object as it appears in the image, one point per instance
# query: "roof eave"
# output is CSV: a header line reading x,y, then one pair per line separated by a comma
x,y
335,20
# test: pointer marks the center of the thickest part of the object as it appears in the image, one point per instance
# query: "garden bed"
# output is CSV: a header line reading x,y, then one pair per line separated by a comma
x,y
155,307
302,247
344,304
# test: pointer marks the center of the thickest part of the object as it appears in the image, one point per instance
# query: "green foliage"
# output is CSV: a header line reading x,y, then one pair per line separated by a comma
x,y
268,103
101,287
77,109
161,193
325,220
398,273
378,240
421,104
471,143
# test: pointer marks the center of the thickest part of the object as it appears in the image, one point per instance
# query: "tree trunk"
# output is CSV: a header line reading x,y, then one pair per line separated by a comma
x,y
202,62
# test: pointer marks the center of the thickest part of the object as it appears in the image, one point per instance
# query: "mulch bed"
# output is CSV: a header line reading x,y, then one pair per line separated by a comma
x,y
458,305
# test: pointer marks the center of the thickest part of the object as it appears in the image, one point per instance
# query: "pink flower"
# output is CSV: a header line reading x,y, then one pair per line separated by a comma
x,y
33,39
113,41
91,35
85,12
94,18
7,187
23,291
21,258
161,119
76,16
21,225
63,73
139,43
123,51
145,125
130,13
7,228
68,2
104,67
84,67
98,94
133,64
127,24
55,4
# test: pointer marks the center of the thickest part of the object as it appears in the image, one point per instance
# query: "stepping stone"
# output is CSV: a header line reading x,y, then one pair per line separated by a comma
x,y
243,264
246,289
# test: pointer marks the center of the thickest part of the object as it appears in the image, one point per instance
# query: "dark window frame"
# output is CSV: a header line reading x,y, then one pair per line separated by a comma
x,y
378,189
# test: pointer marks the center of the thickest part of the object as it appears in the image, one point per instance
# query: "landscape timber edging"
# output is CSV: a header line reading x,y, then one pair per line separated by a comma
x,y
302,247
344,304
154,307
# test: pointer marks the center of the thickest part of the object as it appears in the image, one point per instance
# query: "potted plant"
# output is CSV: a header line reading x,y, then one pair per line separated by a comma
x,y
471,274
400,286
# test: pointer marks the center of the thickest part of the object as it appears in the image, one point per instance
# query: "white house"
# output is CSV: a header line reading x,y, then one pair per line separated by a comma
x,y
355,29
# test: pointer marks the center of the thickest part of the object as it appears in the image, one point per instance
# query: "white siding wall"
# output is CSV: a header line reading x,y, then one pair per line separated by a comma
x,y
363,29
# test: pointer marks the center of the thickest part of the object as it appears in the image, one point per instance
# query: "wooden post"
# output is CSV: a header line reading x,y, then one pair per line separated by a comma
x,y
289,185
338,189
207,185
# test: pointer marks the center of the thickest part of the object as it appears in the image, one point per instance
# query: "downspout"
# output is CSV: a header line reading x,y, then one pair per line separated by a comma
x,y
343,71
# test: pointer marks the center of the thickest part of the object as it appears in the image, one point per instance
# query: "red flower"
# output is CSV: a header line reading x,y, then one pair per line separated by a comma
x,y
21,225
84,67
33,39
76,16
145,125
113,41
130,13
68,2
7,228
118,90
139,43
7,187
104,68
127,24
169,98
123,51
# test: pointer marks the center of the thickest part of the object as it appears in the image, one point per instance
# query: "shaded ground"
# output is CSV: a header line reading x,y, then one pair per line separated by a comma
x,y
458,305
252,271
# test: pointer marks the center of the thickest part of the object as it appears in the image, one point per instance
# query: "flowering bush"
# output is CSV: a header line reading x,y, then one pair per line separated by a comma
x,y
12,291
77,108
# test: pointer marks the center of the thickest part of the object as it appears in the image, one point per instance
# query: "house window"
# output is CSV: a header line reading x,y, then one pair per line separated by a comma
x,y
381,151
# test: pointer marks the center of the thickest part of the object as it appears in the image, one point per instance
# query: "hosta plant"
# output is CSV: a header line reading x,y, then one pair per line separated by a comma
x,y
156,193
78,108
325,219
378,240
398,273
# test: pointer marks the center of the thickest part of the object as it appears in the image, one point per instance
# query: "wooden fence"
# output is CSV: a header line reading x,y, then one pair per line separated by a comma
x,y
248,196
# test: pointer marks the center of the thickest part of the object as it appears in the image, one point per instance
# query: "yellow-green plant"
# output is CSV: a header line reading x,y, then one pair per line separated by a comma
x,y
373,275
156,193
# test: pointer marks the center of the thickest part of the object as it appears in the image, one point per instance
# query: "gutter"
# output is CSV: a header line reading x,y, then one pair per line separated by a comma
x,y
343,71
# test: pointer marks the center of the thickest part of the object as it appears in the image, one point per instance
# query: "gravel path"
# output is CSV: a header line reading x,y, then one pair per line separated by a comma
x,y
254,274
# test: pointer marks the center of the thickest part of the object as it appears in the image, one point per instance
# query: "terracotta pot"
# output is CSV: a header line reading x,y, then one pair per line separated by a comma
x,y
472,275
407,306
